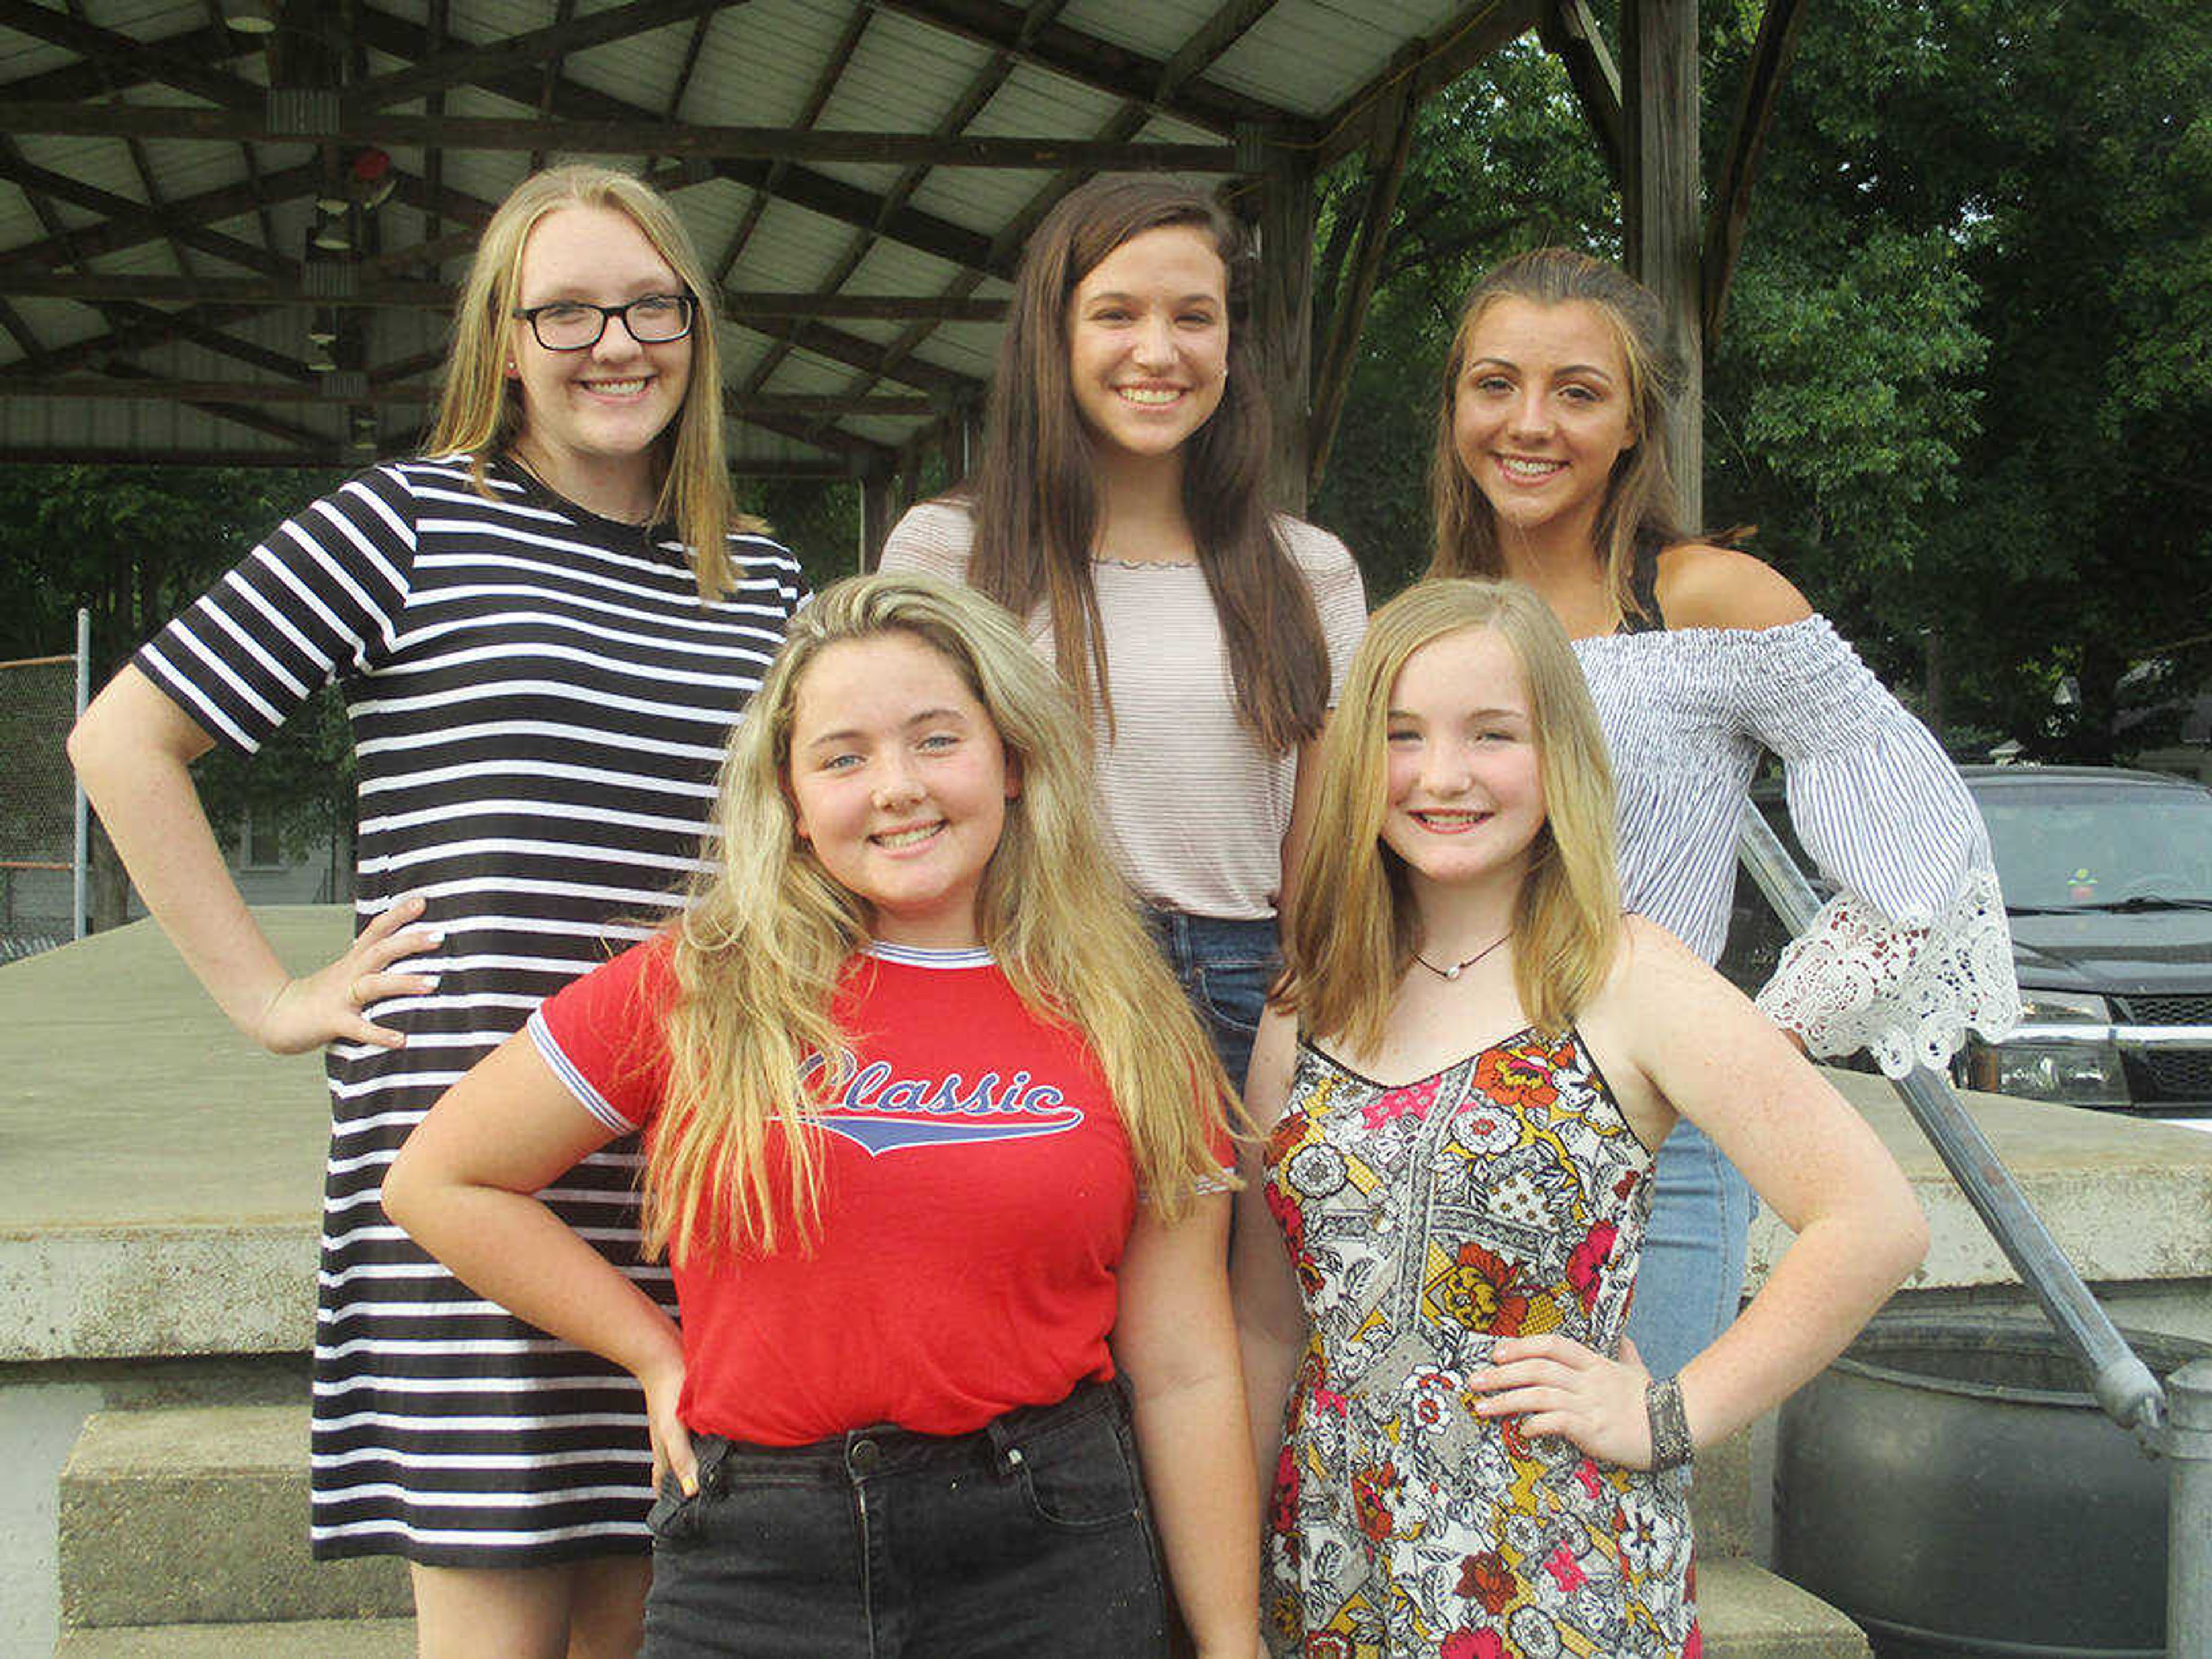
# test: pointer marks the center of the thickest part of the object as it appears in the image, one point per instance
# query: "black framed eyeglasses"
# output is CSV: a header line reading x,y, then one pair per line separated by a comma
x,y
576,324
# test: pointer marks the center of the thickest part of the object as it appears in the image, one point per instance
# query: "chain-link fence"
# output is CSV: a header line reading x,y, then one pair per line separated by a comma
x,y
39,849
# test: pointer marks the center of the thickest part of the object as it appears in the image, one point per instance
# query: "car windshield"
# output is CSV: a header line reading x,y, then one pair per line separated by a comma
x,y
2063,846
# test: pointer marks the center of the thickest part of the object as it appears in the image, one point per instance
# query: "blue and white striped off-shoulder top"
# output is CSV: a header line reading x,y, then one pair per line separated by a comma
x,y
1913,949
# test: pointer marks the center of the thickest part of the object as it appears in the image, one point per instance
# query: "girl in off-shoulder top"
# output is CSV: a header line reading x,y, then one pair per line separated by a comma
x,y
1551,467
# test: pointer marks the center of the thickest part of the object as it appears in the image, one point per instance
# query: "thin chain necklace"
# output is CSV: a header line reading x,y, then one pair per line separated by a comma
x,y
1461,967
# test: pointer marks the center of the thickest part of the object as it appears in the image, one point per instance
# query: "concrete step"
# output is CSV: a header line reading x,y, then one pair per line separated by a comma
x,y
183,1533
1720,1499
198,1516
1744,1612
319,1638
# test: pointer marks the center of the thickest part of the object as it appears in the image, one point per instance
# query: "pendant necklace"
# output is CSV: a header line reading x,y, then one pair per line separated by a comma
x,y
1461,967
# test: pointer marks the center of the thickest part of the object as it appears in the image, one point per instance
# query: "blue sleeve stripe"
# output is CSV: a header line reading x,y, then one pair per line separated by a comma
x,y
574,1081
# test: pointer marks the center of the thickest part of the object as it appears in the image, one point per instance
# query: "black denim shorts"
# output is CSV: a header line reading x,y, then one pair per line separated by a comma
x,y
1029,1537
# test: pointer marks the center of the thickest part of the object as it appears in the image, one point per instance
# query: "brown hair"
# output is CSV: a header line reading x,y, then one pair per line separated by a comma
x,y
480,410
1640,510
1035,489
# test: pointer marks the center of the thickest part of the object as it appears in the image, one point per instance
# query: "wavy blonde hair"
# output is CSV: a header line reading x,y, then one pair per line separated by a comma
x,y
1347,959
768,932
480,408
1640,509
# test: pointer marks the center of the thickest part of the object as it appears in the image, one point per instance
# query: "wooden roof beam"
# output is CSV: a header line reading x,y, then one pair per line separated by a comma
x,y
868,355
351,124
1100,65
818,98
1571,33
123,55
248,415
403,293
130,224
1730,207
1470,35
139,329
978,92
801,187
166,222
88,79
461,65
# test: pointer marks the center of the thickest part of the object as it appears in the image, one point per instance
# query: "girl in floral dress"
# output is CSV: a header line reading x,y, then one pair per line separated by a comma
x,y
1462,1078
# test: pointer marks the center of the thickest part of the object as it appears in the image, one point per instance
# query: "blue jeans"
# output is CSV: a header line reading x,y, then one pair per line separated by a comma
x,y
1029,1536
1225,968
1691,1281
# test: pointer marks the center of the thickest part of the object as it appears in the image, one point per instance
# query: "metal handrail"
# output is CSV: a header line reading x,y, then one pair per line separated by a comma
x,y
2123,1384
2175,1422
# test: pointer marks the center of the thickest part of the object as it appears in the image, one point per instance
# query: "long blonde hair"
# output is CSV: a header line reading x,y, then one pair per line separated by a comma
x,y
768,933
480,411
1640,509
1347,957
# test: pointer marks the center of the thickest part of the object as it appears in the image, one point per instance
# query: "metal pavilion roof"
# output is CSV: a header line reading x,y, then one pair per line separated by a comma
x,y
858,173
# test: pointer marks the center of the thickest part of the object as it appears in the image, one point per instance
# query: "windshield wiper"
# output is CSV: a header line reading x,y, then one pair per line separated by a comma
x,y
2148,901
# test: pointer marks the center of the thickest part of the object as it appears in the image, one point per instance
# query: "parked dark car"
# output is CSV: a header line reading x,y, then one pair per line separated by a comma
x,y
2107,880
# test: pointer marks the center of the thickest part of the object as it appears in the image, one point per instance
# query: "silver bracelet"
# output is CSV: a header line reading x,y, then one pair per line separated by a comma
x,y
1670,1427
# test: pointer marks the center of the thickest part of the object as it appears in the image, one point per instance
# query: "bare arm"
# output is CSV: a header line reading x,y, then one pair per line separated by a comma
x,y
1272,1331
133,749
1695,1039
464,1187
1176,1343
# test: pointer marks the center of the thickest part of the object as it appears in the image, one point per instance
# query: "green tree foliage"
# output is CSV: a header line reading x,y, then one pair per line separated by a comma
x,y
1499,162
134,545
1965,371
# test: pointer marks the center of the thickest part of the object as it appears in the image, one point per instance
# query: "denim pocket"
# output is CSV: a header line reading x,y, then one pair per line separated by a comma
x,y
1234,992
1080,1478
675,1516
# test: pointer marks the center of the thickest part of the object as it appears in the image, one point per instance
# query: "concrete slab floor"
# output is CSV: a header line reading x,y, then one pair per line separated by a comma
x,y
114,1069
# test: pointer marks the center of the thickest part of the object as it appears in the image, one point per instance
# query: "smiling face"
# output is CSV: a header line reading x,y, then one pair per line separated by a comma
x,y
1541,412
589,417
1465,797
899,782
1148,341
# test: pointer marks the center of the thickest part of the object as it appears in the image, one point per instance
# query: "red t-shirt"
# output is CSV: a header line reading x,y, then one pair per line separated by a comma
x,y
977,1193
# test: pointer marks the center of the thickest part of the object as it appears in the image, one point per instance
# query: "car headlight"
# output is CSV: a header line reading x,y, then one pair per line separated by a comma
x,y
2061,1050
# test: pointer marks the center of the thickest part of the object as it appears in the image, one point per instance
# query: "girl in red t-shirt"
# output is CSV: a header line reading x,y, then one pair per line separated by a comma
x,y
935,1149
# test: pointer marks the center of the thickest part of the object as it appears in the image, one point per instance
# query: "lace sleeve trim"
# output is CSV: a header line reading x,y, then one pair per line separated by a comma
x,y
1856,980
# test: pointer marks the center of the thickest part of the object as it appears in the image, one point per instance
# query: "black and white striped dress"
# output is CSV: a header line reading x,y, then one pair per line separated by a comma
x,y
539,703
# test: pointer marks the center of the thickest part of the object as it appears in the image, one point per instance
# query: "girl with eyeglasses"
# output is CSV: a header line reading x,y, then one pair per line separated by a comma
x,y
545,628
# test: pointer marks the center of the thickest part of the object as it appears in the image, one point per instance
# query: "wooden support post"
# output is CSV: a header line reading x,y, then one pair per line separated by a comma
x,y
1386,170
1660,205
1282,314
876,509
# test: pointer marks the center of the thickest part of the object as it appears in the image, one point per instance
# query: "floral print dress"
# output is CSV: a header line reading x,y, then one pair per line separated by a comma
x,y
1504,1196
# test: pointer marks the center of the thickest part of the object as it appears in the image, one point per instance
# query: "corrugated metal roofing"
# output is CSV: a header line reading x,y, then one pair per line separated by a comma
x,y
195,217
